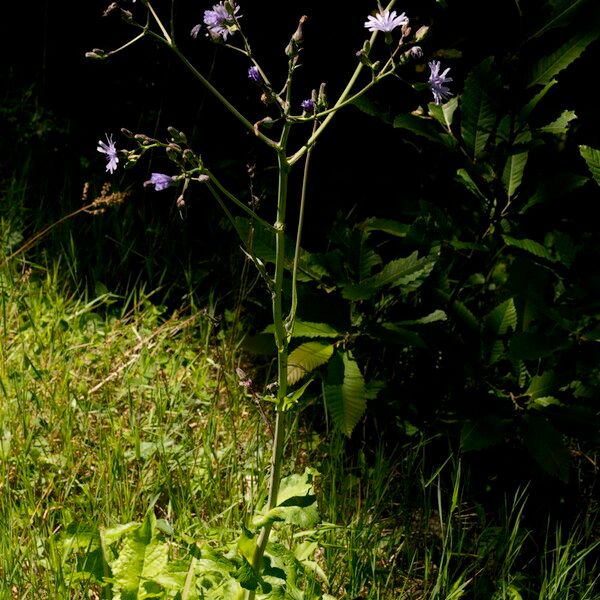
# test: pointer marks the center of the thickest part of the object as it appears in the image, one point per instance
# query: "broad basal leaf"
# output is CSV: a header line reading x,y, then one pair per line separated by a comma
x,y
592,158
296,502
306,358
344,392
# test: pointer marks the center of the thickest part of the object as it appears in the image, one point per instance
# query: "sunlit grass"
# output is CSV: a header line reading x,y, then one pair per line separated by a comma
x,y
110,407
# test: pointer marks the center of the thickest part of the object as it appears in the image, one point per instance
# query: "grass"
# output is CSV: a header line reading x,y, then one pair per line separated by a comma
x,y
111,407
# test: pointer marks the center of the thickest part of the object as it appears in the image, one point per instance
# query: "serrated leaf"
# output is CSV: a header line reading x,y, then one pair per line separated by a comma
x,y
515,166
478,107
541,385
544,70
592,158
502,318
345,399
462,176
560,125
408,272
436,315
530,246
306,358
547,446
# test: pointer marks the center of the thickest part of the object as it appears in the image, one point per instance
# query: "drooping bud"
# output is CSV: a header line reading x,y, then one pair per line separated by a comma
x,y
127,133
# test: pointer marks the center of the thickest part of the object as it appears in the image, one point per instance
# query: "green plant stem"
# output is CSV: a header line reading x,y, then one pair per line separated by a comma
x,y
294,302
281,341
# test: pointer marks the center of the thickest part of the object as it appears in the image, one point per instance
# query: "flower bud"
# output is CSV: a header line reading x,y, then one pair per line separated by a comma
x,y
293,48
421,33
127,133
178,136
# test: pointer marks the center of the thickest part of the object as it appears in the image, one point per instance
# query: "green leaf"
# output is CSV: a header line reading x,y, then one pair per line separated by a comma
x,y
436,315
541,385
563,11
544,70
344,392
463,177
533,346
592,158
293,397
296,502
444,113
420,126
309,329
390,226
515,166
306,358
478,107
530,106
560,125
370,108
502,318
530,246
546,445
141,558
407,272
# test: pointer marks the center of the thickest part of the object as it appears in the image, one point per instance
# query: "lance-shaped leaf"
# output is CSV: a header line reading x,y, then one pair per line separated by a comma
x,y
344,392
530,246
592,158
545,69
407,272
478,106
309,329
502,318
306,358
515,164
386,225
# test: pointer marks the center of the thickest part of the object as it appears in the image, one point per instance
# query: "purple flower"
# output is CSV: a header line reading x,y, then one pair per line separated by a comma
x,y
436,82
416,51
160,181
308,105
254,74
385,21
219,21
111,153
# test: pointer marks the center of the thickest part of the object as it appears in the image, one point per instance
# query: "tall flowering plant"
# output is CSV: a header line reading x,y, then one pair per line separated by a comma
x,y
290,499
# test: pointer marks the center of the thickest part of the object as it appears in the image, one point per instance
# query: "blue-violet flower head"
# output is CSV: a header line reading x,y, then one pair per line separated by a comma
x,y
436,82
416,52
254,74
221,20
109,149
160,181
308,105
386,21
